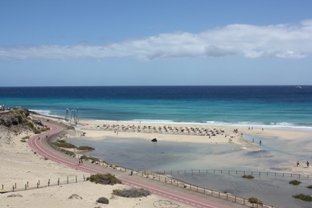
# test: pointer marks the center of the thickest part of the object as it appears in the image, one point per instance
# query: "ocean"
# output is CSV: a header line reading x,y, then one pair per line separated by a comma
x,y
278,106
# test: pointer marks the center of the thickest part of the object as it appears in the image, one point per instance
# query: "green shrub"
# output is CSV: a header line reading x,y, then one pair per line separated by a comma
x,y
64,144
30,125
248,176
70,128
131,193
303,197
93,159
24,138
85,148
104,179
37,131
254,200
102,200
294,182
68,153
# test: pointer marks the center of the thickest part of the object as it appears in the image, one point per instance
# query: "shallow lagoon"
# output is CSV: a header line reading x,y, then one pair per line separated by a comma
x,y
146,155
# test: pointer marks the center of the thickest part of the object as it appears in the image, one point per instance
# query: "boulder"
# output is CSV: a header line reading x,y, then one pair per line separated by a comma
x,y
154,140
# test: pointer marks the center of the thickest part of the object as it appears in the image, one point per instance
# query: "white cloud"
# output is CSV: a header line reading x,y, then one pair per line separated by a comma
x,y
281,41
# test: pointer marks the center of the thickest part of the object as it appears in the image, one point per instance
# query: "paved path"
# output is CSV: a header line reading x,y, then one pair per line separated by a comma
x,y
40,145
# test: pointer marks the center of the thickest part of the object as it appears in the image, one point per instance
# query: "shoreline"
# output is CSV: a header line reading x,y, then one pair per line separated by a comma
x,y
93,130
17,161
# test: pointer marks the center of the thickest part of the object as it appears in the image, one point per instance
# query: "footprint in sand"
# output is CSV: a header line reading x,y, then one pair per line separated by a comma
x,y
165,204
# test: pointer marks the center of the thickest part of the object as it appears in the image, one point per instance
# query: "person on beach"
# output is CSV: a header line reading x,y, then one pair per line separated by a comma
x,y
80,161
308,163
260,142
297,163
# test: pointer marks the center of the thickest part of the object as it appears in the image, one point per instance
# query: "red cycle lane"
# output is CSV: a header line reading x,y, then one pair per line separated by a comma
x,y
40,145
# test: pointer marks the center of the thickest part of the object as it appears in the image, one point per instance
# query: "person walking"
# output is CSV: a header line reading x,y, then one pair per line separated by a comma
x,y
308,163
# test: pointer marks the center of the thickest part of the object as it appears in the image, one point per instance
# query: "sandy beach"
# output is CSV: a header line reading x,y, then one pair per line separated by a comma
x,y
20,165
206,134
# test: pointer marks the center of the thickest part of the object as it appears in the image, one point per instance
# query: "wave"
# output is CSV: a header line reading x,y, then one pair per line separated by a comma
x,y
220,123
45,113
212,123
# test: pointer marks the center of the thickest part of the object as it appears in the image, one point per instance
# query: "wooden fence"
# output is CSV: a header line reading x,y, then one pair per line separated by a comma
x,y
41,184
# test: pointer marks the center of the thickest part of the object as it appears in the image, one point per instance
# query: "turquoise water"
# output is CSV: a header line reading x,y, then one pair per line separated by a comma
x,y
225,105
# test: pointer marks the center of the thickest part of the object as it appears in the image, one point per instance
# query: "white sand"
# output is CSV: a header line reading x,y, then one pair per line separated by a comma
x,y
18,164
95,130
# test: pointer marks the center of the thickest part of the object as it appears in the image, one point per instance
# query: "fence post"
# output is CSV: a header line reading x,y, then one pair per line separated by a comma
x,y
76,179
15,185
58,181
84,178
25,187
13,188
27,184
67,179
2,186
49,182
39,182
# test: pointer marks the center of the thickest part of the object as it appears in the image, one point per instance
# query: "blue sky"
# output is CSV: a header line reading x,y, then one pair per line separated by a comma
x,y
109,43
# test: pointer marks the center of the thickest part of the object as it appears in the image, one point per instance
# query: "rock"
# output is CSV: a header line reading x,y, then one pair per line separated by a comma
x,y
38,122
154,140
